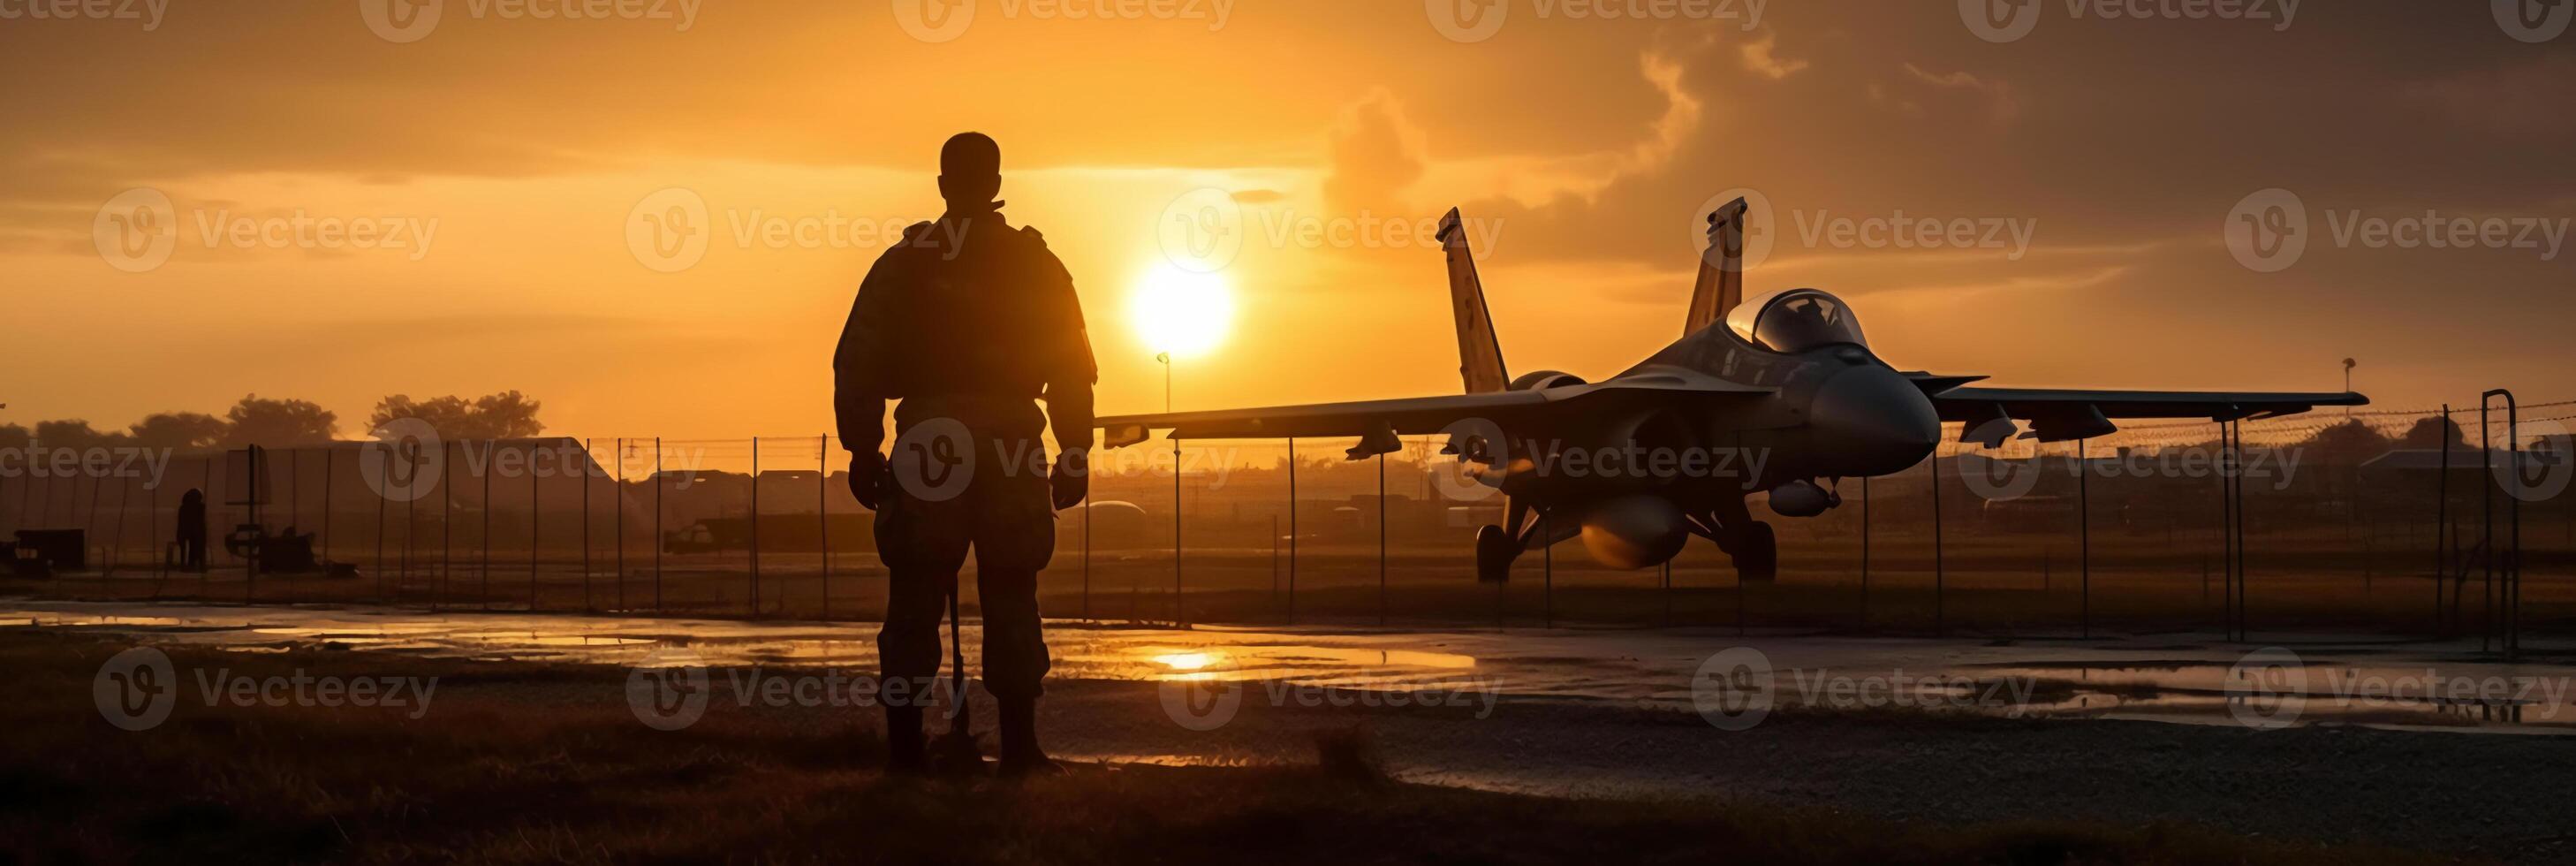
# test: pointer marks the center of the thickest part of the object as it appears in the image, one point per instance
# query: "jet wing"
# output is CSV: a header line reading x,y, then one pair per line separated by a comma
x,y
1414,415
2058,415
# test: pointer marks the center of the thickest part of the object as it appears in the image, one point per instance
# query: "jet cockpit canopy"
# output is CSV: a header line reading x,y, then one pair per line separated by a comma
x,y
1796,320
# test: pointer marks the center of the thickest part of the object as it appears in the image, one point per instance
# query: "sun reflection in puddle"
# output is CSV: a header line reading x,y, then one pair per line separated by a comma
x,y
2148,678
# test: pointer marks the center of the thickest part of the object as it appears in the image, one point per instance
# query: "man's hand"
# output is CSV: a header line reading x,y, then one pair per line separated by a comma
x,y
868,478
1070,479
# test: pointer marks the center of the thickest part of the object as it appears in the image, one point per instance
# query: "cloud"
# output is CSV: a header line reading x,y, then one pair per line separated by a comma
x,y
2523,99
1539,180
1376,155
2001,103
1759,57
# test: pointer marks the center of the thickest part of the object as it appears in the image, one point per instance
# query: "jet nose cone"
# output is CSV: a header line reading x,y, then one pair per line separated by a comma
x,y
1875,421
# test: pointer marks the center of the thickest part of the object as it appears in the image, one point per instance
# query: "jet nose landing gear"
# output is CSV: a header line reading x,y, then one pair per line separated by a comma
x,y
1495,550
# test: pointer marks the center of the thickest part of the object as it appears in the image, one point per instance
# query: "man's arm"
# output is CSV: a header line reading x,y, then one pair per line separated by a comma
x,y
1071,369
1070,373
862,368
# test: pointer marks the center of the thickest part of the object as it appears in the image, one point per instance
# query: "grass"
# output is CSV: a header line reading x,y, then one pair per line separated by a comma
x,y
522,762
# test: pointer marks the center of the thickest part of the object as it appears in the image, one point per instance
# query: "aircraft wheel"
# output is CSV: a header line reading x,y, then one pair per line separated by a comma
x,y
1756,552
1494,554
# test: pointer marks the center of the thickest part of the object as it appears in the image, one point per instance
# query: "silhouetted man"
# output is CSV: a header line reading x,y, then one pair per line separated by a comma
x,y
192,530
967,322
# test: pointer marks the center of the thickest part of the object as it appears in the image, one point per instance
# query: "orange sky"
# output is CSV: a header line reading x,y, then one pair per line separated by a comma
x,y
517,151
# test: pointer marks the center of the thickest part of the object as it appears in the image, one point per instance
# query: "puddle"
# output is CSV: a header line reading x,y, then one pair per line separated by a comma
x,y
2365,681
2436,694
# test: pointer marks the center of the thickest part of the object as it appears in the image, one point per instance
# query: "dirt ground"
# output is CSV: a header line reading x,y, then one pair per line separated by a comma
x,y
526,761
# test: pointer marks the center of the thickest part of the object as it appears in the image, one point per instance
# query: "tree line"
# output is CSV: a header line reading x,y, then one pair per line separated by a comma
x,y
281,423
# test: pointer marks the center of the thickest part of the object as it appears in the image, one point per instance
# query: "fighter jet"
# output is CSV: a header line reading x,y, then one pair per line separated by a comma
x,y
1780,397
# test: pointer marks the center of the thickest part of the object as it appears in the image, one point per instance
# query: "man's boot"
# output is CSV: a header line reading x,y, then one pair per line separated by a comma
x,y
907,754
1021,756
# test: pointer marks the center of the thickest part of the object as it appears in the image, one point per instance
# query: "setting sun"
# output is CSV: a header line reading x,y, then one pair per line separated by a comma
x,y
1182,312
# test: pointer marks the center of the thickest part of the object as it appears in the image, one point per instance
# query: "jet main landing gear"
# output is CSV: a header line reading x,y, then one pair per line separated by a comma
x,y
1755,550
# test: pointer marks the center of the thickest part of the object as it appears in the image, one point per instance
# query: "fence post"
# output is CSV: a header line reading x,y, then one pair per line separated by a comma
x,y
1086,555
586,605
2084,540
411,524
294,506
124,499
620,522
206,496
2226,542
2442,526
382,504
1381,539
1940,574
823,513
1547,573
1292,530
91,525
1864,551
755,527
151,532
657,524
536,507
483,596
446,525
2236,494
325,552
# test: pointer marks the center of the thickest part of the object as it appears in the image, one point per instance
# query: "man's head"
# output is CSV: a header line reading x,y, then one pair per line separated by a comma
x,y
970,172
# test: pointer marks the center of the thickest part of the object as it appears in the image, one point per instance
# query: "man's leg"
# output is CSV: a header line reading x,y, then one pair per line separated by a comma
x,y
1014,539
922,545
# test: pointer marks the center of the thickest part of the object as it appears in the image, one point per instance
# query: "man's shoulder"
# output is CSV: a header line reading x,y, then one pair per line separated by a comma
x,y
1033,244
922,235
915,239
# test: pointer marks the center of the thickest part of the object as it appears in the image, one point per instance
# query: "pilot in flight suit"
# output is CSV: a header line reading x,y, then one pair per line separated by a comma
x,y
966,323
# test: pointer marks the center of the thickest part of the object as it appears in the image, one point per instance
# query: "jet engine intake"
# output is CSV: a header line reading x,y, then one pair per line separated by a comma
x,y
1537,379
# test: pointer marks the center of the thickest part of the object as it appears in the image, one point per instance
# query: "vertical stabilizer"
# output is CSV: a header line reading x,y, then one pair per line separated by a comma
x,y
1721,269
1480,354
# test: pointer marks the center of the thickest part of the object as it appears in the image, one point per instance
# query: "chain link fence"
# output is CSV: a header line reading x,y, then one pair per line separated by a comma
x,y
2359,522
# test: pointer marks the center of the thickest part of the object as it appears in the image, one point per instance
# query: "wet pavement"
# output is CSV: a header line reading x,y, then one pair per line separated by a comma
x,y
2173,678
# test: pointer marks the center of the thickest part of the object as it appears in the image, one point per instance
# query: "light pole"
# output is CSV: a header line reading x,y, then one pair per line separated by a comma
x,y
1180,611
2348,364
